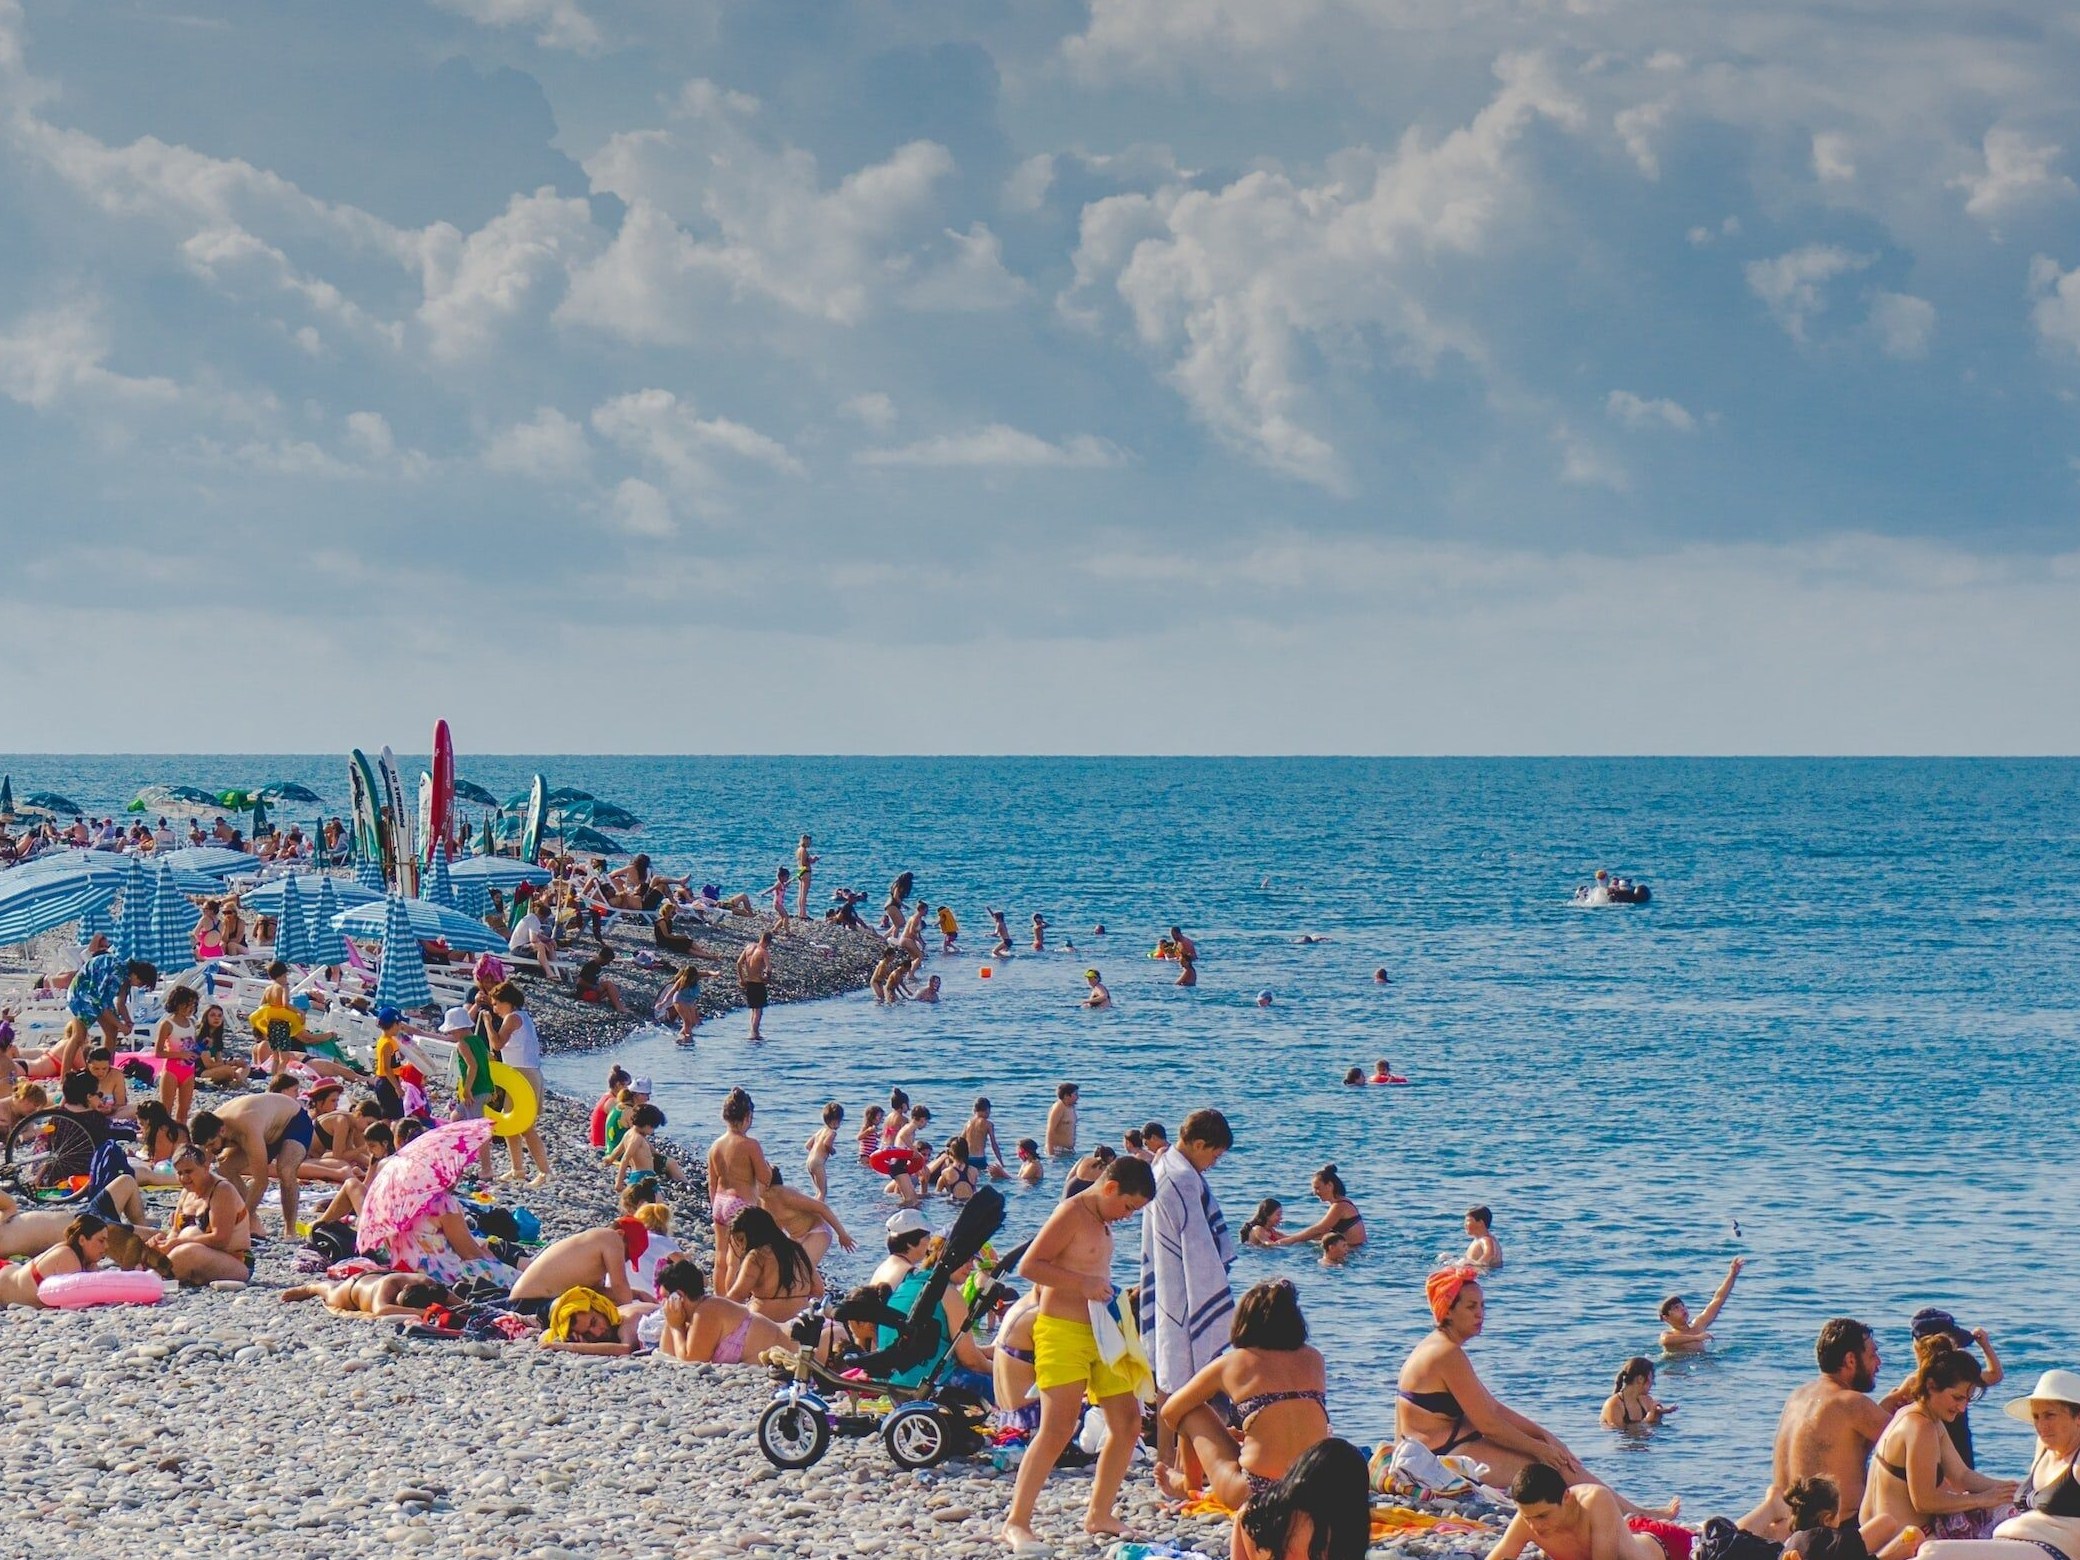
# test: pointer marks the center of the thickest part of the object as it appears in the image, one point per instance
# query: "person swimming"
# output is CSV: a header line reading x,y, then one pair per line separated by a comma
x,y
1383,1072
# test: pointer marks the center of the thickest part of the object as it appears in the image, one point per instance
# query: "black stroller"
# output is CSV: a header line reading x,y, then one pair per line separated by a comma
x,y
929,1421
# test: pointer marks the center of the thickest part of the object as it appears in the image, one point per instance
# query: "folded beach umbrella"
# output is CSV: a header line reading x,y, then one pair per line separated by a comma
x,y
497,871
172,925
7,796
134,929
441,890
292,938
423,921
408,1183
369,874
32,902
402,981
327,946
487,845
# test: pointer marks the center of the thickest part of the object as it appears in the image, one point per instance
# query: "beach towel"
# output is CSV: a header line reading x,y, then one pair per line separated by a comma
x,y
1186,1252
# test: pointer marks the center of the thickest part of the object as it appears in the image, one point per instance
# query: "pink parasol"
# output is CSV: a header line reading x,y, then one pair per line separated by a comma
x,y
416,1177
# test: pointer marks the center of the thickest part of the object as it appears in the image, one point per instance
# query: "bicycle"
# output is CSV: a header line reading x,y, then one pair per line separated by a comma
x,y
50,1158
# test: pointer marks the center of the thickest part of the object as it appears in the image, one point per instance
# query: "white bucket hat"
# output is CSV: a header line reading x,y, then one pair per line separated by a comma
x,y
2054,1386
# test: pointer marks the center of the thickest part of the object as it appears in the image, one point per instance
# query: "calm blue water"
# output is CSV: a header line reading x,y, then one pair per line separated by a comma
x,y
1847,1021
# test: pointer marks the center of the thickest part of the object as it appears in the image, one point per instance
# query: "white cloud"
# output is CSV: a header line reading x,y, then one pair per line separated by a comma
x,y
474,285
1639,412
974,279
1903,324
1233,283
656,427
875,409
1026,189
2055,305
60,355
562,24
551,448
1794,285
2018,170
1637,127
1157,35
1000,446
640,510
1834,161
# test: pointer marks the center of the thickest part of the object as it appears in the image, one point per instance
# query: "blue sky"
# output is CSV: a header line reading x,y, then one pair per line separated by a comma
x,y
1126,375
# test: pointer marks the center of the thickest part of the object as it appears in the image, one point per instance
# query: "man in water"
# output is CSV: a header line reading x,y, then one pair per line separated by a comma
x,y
1829,1427
1582,1522
754,969
1070,1265
1681,1335
1097,996
1061,1120
1003,944
1187,953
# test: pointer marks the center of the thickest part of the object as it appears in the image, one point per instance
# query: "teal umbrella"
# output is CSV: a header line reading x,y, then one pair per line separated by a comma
x,y
593,814
288,791
402,981
594,841
441,890
51,802
475,795
134,930
292,933
327,946
172,924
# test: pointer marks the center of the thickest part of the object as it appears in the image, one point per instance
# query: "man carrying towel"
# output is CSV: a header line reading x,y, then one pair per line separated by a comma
x,y
1186,1306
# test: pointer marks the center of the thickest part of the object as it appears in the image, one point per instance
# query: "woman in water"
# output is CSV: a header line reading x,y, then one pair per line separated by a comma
x,y
1262,1228
1083,1175
1918,1479
1342,1217
773,1274
1279,1390
680,1002
1443,1405
1631,1405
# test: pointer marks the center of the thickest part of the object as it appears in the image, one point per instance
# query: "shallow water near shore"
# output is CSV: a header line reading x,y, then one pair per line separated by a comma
x,y
1846,1021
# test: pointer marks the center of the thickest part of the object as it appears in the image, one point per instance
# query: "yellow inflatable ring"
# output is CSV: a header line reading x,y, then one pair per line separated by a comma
x,y
263,1016
521,1105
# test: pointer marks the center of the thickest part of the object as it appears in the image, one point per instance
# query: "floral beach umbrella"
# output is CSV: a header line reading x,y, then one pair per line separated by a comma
x,y
415,1178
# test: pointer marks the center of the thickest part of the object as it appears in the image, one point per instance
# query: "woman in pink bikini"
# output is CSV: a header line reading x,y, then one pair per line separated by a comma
x,y
707,1329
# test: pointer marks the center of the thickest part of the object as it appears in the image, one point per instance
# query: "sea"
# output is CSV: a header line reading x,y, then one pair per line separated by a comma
x,y
1839,1043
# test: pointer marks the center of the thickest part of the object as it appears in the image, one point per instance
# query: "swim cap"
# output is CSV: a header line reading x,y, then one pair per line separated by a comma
x,y
1443,1288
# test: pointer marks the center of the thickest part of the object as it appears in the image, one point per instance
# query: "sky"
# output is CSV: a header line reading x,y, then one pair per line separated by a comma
x,y
1172,376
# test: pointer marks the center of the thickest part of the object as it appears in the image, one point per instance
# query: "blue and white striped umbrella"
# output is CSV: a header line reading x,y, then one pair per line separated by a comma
x,y
441,890
497,871
292,938
327,946
402,980
425,922
35,902
369,875
266,898
134,929
213,860
173,925
472,898
97,922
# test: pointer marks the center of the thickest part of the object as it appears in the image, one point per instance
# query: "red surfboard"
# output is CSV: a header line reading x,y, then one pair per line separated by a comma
x,y
443,792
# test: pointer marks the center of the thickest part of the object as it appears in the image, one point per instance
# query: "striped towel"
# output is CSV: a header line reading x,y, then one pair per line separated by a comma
x,y
1185,1305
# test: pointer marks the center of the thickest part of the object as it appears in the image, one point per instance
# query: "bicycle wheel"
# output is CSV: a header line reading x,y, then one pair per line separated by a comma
x,y
50,1156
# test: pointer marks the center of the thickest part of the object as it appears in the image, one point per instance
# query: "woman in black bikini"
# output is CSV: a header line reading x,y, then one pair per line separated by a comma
x,y
1342,1217
1631,1405
1277,1393
1918,1479
1083,1175
1442,1404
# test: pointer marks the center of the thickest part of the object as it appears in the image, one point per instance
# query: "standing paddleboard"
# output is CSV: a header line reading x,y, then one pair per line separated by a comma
x,y
366,793
441,826
537,818
425,859
399,869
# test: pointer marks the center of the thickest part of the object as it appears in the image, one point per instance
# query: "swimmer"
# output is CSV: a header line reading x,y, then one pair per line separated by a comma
x,y
1632,1404
1031,1172
1263,999
1355,1078
1187,953
1383,1072
1098,930
1061,1119
1003,943
1379,977
1262,1227
1309,939
930,993
1483,1250
1335,1250
1681,1335
1098,996
1039,932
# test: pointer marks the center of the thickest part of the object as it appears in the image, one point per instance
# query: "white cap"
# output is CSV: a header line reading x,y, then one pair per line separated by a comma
x,y
643,1086
907,1221
456,1021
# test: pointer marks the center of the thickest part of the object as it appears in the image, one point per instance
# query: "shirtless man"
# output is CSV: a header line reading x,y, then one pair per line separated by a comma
x,y
754,969
210,1239
1681,1335
1098,996
376,1294
1581,1522
595,1259
804,862
1187,957
250,1136
738,1175
1061,1120
1070,1262
1829,1427
981,1135
1003,944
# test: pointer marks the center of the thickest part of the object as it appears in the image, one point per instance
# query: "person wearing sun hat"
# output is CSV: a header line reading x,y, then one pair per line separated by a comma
x,y
2047,1518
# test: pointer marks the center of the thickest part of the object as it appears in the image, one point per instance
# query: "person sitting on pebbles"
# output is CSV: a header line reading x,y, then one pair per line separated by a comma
x,y
707,1329
209,1240
596,1259
82,1248
377,1294
635,1156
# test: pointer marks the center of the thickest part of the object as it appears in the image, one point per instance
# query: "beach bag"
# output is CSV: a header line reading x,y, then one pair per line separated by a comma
x,y
1724,1541
332,1239
495,1224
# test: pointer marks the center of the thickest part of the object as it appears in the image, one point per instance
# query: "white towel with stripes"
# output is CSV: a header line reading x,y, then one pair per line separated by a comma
x,y
1186,1306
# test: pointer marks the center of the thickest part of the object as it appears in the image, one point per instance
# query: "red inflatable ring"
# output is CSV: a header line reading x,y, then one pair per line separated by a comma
x,y
896,1161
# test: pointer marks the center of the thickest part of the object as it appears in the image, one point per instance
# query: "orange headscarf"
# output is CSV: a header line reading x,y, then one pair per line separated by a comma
x,y
1443,1287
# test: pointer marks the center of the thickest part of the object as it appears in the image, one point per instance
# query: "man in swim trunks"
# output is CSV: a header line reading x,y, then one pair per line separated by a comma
x,y
1070,1262
1187,953
1061,1120
754,969
1829,1428
1098,996
1681,1335
253,1134
1582,1522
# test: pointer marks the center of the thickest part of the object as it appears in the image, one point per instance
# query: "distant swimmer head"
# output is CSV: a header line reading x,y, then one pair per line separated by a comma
x,y
1602,874
1091,976
1379,978
1356,1077
1098,930
1263,999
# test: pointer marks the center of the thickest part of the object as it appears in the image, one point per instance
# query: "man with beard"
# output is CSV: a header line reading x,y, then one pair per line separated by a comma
x,y
1828,1428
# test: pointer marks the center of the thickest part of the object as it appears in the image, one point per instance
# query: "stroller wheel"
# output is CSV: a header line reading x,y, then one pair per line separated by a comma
x,y
792,1435
916,1438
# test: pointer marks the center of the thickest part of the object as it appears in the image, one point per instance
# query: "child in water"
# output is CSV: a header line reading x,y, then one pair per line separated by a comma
x,y
820,1144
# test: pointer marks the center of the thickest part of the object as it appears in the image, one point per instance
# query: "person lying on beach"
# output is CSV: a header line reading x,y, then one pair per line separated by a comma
x,y
26,1231
209,1239
1099,995
1278,1387
1680,1334
1582,1522
1632,1405
707,1329
1483,1250
737,1173
806,1220
1061,1120
1442,1403
771,1272
377,1295
79,1249
636,1155
584,1321
1341,1218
